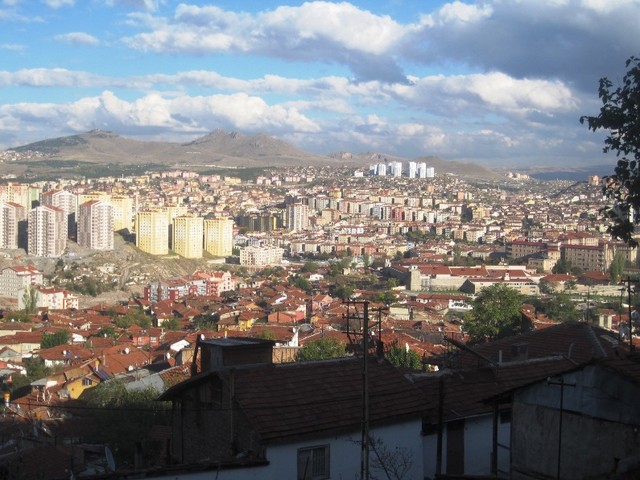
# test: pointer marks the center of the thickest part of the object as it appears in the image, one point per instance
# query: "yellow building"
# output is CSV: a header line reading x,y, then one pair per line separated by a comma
x,y
187,236
122,213
152,232
218,236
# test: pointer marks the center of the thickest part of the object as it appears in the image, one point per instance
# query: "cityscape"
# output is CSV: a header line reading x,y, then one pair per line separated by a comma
x,y
381,240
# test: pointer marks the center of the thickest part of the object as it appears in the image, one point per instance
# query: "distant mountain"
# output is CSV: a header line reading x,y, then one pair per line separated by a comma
x,y
218,148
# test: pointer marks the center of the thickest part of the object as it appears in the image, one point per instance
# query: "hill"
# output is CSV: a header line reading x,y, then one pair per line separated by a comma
x,y
82,154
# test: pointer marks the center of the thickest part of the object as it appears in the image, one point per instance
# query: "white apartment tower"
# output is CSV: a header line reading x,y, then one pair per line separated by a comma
x,y
187,236
297,217
218,236
10,215
95,225
413,168
47,232
65,201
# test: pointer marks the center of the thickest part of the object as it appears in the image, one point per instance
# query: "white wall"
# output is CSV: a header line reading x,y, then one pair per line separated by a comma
x,y
344,456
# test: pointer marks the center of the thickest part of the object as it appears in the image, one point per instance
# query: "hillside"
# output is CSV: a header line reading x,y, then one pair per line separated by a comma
x,y
101,152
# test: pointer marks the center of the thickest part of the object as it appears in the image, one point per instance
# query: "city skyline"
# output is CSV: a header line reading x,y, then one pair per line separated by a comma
x,y
493,82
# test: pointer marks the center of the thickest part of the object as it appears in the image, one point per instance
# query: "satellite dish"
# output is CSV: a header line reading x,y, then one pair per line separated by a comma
x,y
111,463
168,355
126,351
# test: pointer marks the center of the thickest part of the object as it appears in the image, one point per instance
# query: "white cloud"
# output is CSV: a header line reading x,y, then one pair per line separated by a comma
x,y
58,3
150,5
312,32
77,38
13,47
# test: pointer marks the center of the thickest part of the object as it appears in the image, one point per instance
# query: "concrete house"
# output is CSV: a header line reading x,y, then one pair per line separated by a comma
x,y
300,421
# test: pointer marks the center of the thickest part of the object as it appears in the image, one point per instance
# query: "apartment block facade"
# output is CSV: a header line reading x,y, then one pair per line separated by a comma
x,y
95,225
218,236
46,231
187,236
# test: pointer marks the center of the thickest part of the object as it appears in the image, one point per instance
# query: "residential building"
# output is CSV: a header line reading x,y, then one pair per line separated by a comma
x,y
50,298
254,256
297,217
123,213
65,201
218,236
257,410
11,216
47,231
187,236
16,278
152,232
95,225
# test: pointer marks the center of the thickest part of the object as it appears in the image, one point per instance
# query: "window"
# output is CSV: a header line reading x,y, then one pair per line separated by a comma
x,y
313,463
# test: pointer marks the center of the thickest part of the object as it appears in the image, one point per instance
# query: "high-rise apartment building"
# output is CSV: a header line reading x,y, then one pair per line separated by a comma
x,y
16,193
65,201
152,232
187,236
11,214
297,217
95,225
47,232
123,213
218,236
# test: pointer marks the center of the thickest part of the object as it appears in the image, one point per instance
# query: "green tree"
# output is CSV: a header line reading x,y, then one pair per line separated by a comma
x,y
496,313
619,116
124,417
301,283
61,337
401,357
343,291
562,266
322,349
617,267
171,324
30,299
310,267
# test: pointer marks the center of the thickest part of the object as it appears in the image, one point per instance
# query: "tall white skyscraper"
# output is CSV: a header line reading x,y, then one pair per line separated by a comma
x,y
95,225
413,168
47,232
297,217
10,215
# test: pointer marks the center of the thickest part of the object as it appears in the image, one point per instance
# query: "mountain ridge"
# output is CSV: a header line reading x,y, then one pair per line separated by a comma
x,y
215,149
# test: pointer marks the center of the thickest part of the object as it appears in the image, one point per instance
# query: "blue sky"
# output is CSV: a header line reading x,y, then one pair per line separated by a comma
x,y
498,82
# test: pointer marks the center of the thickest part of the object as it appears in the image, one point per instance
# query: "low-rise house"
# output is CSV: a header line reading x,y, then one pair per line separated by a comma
x,y
296,420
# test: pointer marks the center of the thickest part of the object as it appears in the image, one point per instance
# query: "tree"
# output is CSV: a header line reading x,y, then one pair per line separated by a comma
x,y
124,417
30,299
496,313
61,337
406,358
322,349
171,324
617,267
619,115
310,267
562,266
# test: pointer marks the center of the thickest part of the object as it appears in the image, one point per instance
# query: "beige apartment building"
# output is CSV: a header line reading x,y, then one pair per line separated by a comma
x,y
10,215
95,225
123,213
47,232
261,256
152,231
218,236
187,235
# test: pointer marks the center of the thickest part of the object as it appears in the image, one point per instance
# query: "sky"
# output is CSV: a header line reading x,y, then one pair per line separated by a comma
x,y
496,82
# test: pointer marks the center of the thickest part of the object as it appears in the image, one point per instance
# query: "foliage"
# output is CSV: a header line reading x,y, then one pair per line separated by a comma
x,y
343,291
322,349
310,267
619,116
35,371
124,417
496,313
205,322
387,297
171,324
108,332
400,357
300,282
134,316
30,299
617,267
562,266
61,337
557,306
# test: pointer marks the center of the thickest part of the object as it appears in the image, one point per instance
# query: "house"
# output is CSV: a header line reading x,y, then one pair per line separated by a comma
x,y
584,422
301,420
